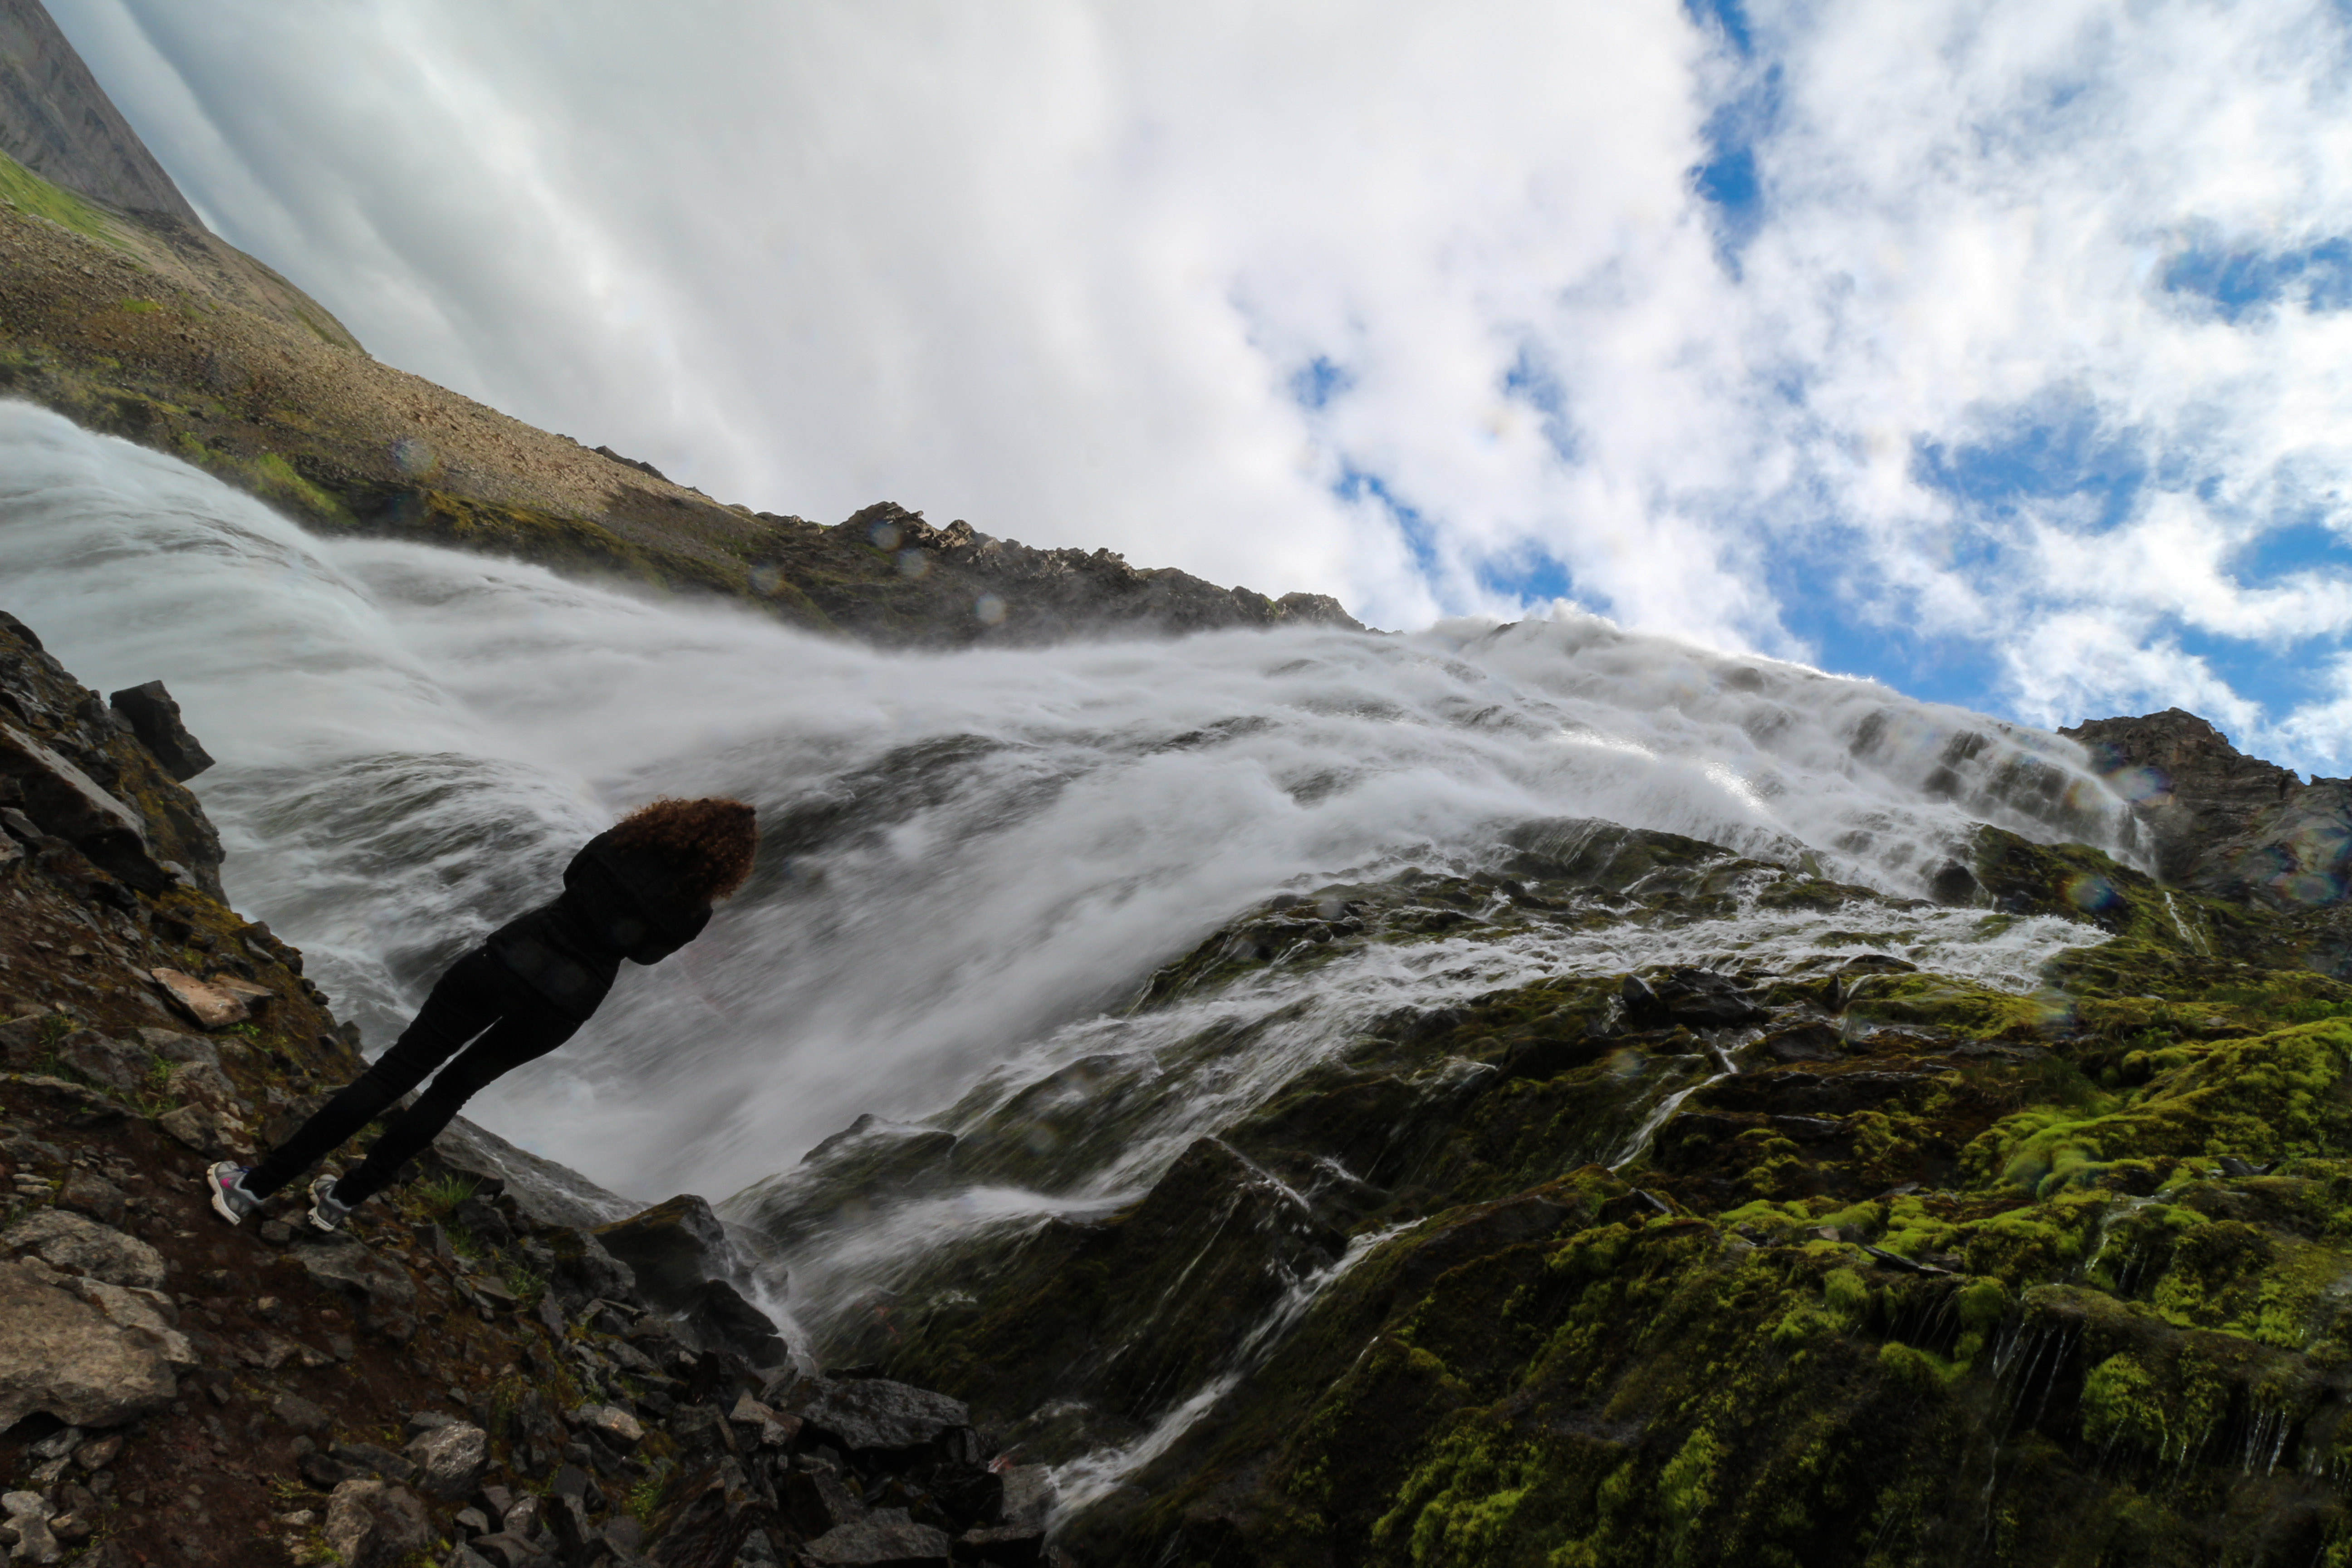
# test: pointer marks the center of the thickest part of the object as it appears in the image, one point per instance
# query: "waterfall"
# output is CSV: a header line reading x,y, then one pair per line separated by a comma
x,y
971,860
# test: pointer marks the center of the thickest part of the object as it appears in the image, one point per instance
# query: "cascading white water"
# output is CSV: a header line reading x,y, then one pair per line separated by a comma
x,y
975,853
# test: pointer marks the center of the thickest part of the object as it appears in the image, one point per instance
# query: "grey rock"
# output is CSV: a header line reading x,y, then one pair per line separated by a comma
x,y
154,718
58,1444
207,1085
62,1355
880,1541
1700,999
816,1500
371,1524
701,1433
449,1460
1028,1494
94,1196
116,1064
566,1518
300,1413
715,1316
176,1046
28,1520
579,1268
97,1456
62,126
546,1196
612,1424
77,1245
20,1039
148,1316
66,801
671,1248
343,1264
504,1548
873,1413
201,1129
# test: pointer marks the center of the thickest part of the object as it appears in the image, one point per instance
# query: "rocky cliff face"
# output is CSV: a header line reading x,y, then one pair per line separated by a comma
x,y
1772,1259
2223,822
498,1364
57,122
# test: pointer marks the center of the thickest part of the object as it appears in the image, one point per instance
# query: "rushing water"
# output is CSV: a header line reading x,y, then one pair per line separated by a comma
x,y
971,857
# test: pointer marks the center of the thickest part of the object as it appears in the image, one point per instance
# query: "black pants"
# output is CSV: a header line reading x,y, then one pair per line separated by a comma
x,y
477,996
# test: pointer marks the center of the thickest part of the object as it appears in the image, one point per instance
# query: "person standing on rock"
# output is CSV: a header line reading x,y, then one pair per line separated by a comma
x,y
639,890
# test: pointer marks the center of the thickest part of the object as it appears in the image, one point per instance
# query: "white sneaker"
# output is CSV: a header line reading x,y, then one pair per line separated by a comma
x,y
226,1182
326,1213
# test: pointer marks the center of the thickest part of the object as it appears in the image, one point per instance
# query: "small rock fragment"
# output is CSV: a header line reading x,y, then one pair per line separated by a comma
x,y
371,1524
611,1423
450,1460
298,1413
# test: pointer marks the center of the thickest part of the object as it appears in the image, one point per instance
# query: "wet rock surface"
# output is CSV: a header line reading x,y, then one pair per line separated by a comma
x,y
1826,1256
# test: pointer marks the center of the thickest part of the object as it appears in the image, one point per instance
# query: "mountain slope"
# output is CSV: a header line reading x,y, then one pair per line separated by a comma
x,y
121,311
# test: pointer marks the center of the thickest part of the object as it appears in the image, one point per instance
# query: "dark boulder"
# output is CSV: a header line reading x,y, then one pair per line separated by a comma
x,y
671,1248
1702,999
873,1415
154,718
64,801
888,1539
717,1317
815,1500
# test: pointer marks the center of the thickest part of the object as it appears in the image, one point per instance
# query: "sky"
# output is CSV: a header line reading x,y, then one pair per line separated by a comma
x,y
2001,352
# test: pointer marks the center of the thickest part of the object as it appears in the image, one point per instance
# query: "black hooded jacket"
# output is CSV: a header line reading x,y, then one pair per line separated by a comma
x,y
616,904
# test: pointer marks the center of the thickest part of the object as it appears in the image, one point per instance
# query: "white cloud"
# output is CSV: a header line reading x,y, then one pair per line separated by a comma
x,y
1054,267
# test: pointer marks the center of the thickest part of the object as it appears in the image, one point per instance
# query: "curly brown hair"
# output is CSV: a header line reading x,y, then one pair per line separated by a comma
x,y
710,841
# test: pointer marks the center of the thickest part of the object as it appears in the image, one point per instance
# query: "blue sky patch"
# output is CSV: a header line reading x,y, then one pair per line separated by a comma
x,y
1355,484
1533,578
2297,547
2237,283
1729,17
1532,381
2060,450
1318,383
1730,179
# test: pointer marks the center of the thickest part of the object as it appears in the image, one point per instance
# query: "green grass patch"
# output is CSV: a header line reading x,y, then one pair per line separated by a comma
x,y
35,195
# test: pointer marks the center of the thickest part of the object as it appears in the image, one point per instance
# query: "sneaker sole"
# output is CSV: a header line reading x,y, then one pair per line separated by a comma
x,y
220,1200
319,1221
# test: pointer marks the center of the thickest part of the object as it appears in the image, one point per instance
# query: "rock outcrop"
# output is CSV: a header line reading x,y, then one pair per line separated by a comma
x,y
464,1377
59,122
2224,822
1826,1259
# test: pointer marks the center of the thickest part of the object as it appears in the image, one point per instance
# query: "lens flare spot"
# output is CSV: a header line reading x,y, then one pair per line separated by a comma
x,y
2091,892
